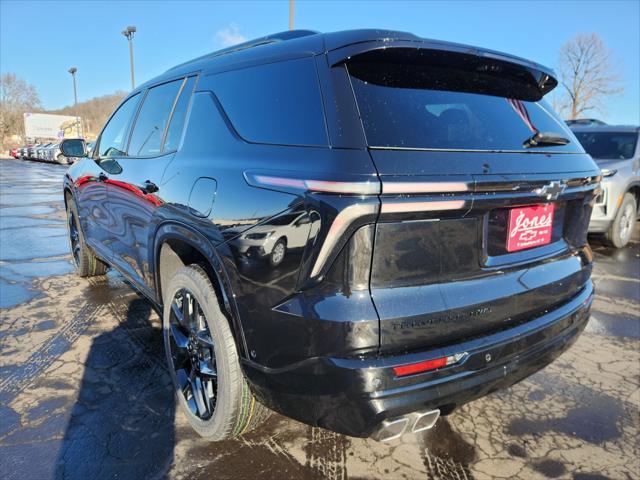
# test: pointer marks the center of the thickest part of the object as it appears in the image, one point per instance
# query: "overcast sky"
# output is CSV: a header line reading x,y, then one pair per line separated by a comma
x,y
39,41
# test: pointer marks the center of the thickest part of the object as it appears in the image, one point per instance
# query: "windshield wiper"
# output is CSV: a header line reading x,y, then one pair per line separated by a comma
x,y
544,139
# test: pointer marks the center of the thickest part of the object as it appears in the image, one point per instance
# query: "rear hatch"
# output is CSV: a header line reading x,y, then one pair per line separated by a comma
x,y
481,226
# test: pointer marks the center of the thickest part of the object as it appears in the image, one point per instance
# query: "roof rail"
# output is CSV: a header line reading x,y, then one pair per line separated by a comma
x,y
276,37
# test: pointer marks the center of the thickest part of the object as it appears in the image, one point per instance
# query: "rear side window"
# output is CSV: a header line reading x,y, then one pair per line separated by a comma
x,y
277,103
177,118
114,134
148,131
441,106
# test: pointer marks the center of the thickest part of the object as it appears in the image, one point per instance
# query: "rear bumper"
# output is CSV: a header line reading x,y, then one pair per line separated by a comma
x,y
353,396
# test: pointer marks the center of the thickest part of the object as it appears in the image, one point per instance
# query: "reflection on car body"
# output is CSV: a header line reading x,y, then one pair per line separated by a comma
x,y
271,240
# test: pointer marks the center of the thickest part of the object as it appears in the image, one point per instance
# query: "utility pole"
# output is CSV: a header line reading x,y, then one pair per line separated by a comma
x,y
73,71
130,30
290,14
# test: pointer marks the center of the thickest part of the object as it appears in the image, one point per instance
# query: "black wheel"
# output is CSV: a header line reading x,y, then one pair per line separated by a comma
x,y
277,253
87,264
203,360
621,229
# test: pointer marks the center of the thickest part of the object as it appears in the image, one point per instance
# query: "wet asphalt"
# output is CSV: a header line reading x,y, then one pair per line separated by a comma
x,y
84,392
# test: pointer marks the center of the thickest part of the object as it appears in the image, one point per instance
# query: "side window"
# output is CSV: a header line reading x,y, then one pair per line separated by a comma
x,y
277,103
114,135
178,117
148,131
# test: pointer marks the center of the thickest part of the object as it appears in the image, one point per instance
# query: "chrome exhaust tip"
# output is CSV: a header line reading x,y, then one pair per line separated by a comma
x,y
391,429
416,422
425,420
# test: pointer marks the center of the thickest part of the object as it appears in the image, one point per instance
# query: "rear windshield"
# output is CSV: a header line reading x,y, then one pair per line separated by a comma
x,y
422,106
609,145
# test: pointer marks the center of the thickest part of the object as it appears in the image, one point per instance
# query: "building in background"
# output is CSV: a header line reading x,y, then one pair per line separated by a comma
x,y
49,126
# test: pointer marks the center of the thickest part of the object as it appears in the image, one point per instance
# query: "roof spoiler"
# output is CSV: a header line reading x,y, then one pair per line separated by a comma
x,y
540,80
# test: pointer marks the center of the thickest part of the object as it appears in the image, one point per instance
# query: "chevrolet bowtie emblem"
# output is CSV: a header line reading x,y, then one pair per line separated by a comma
x,y
551,191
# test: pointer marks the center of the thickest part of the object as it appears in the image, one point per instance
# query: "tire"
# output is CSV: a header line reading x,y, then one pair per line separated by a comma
x,y
621,229
226,406
86,263
278,252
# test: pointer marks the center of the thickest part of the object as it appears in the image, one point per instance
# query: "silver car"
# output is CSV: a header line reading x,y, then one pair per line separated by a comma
x,y
616,150
31,151
40,152
53,154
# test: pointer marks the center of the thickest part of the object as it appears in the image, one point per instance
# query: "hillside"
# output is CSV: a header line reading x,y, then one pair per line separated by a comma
x,y
94,112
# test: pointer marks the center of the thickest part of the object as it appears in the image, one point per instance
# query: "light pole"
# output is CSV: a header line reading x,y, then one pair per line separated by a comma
x,y
73,71
129,34
290,14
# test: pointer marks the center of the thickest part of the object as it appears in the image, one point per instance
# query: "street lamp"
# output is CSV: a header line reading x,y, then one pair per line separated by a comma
x,y
130,30
73,71
290,14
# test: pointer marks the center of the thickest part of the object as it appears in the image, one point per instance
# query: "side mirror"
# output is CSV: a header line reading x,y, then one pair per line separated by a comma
x,y
73,147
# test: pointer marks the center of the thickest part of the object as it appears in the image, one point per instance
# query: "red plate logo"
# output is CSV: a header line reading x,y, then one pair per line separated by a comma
x,y
529,227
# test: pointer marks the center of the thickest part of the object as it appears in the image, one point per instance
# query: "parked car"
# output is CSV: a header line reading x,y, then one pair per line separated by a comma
x,y
47,155
445,254
616,150
40,151
584,122
53,154
22,151
32,151
271,240
14,152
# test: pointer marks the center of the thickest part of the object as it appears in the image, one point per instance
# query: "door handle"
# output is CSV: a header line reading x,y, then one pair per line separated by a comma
x,y
149,187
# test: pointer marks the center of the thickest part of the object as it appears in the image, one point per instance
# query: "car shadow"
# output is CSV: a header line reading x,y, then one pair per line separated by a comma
x,y
611,255
122,425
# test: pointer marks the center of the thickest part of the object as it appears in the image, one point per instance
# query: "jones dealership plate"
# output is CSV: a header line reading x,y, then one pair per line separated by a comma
x,y
529,227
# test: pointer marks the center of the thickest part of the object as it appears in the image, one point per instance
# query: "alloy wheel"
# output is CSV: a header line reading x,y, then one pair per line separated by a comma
x,y
626,223
192,354
278,252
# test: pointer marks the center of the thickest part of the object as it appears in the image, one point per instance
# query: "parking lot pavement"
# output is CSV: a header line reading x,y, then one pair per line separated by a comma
x,y
84,392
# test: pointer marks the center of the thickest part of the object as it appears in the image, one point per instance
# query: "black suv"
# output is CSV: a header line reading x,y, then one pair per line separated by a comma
x,y
361,230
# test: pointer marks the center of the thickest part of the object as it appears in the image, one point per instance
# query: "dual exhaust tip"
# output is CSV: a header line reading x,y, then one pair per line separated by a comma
x,y
414,422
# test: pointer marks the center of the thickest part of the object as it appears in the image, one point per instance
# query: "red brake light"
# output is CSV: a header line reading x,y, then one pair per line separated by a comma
x,y
428,365
420,367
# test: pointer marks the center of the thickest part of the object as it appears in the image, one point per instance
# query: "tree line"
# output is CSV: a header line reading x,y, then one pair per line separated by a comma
x,y
18,97
94,112
587,79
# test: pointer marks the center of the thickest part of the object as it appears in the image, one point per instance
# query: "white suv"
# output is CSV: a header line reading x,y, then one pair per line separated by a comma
x,y
616,150
272,240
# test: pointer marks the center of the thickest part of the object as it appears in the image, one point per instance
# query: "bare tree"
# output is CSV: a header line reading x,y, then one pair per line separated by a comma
x,y
587,75
16,97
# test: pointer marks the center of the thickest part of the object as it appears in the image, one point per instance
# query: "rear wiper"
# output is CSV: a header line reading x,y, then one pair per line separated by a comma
x,y
544,139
